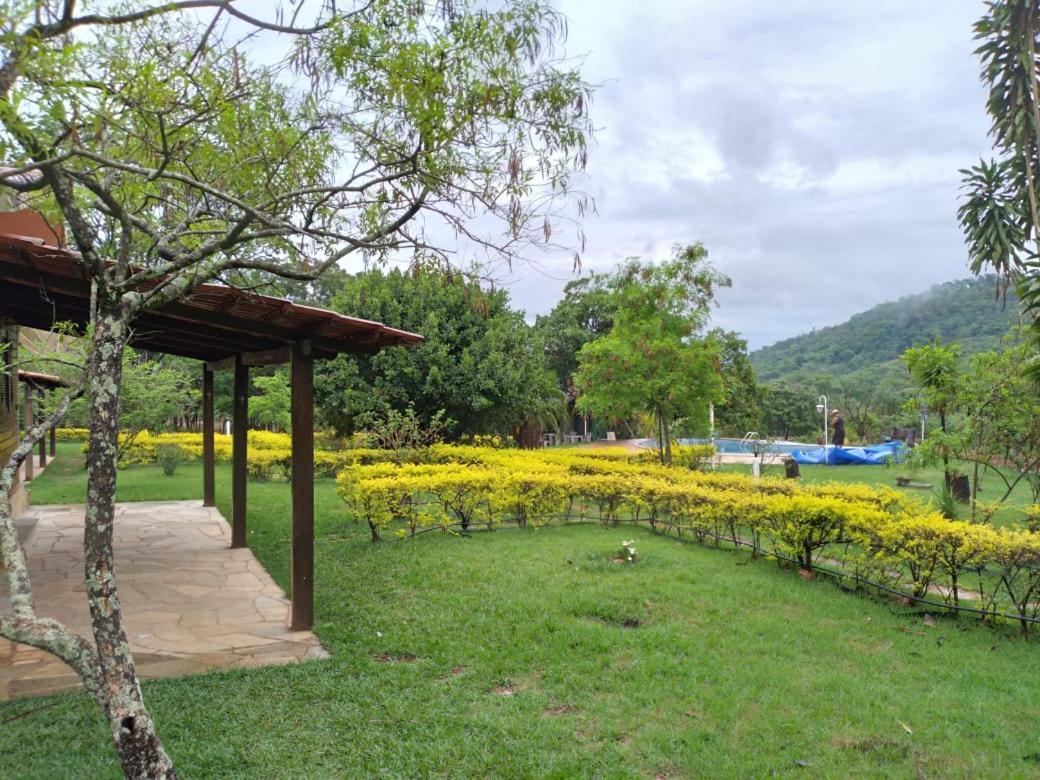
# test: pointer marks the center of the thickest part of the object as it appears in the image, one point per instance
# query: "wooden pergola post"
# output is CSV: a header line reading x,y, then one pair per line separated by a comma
x,y
239,423
27,412
208,467
302,370
54,436
43,443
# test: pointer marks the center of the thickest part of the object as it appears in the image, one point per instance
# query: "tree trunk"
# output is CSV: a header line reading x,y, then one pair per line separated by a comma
x,y
660,436
667,439
945,451
133,731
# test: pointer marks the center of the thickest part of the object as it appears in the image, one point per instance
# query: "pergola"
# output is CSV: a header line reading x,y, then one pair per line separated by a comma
x,y
227,329
34,382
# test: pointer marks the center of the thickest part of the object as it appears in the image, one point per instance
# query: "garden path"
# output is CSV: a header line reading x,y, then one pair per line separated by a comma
x,y
190,602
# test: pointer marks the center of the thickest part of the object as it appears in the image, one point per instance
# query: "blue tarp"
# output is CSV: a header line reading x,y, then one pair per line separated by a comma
x,y
876,455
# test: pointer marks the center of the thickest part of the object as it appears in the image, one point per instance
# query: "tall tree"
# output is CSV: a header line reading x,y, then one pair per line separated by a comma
x,y
481,364
934,371
656,358
585,313
998,429
739,410
788,410
174,159
1000,213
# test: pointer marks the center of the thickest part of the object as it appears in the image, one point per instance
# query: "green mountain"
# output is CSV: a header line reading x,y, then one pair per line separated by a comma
x,y
869,345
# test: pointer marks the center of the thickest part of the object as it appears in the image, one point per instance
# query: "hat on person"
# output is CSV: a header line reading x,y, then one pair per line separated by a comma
x,y
834,412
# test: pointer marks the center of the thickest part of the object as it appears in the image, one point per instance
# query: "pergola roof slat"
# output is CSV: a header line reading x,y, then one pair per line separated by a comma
x,y
211,323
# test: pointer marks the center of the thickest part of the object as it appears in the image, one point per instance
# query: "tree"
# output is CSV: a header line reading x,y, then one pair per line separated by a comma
x,y
653,359
481,365
739,410
585,313
1000,213
789,410
271,405
998,430
863,402
155,392
934,371
175,160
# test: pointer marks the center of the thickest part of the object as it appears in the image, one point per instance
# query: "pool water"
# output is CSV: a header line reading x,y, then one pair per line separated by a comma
x,y
739,446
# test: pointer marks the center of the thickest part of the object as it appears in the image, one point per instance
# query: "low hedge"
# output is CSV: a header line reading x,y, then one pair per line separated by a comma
x,y
875,535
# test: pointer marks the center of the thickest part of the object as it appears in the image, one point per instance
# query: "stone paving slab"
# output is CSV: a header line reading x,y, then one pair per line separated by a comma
x,y
190,602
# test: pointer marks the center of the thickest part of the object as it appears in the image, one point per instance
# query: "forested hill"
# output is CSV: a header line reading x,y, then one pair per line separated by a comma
x,y
963,311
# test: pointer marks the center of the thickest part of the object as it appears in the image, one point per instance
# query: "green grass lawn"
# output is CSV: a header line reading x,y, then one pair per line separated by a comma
x,y
523,653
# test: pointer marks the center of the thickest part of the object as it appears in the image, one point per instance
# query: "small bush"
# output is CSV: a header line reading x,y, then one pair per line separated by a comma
x,y
169,456
260,470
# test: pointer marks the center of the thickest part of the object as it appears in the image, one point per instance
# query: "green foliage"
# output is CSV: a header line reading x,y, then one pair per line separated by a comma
x,y
789,411
270,403
583,314
934,372
995,426
858,365
481,364
403,431
169,457
739,409
1000,215
654,359
225,162
867,348
154,394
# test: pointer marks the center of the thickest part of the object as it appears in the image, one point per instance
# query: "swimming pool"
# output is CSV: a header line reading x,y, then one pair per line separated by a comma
x,y
741,446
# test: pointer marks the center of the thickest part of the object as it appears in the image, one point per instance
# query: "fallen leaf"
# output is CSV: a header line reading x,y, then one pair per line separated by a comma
x,y
906,728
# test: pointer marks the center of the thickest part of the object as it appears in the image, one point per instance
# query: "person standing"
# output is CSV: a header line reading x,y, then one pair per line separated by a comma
x,y
838,424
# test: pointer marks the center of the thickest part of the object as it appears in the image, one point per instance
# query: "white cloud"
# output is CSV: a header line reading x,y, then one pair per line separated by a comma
x,y
813,147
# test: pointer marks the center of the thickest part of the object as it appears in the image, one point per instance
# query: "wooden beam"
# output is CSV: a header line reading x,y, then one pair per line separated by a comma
x,y
208,455
267,357
226,364
54,446
240,423
263,357
27,414
43,443
302,369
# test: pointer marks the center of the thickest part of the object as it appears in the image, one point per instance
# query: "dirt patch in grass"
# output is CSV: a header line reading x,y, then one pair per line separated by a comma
x,y
504,690
618,621
881,747
396,658
561,709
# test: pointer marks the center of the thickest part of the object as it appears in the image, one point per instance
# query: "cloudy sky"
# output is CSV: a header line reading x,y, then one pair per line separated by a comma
x,y
812,146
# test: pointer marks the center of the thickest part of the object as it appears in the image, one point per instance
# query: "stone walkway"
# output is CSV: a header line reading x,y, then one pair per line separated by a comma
x,y
190,602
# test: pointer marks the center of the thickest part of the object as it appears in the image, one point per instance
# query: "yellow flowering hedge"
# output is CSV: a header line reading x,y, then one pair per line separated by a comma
x,y
877,535
268,453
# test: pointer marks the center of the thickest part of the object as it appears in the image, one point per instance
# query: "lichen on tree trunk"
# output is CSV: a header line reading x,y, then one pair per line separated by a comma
x,y
133,731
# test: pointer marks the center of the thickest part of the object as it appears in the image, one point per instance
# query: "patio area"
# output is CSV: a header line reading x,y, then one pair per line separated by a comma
x,y
191,603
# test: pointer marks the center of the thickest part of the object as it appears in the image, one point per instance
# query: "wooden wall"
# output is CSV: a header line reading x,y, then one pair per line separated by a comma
x,y
9,405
